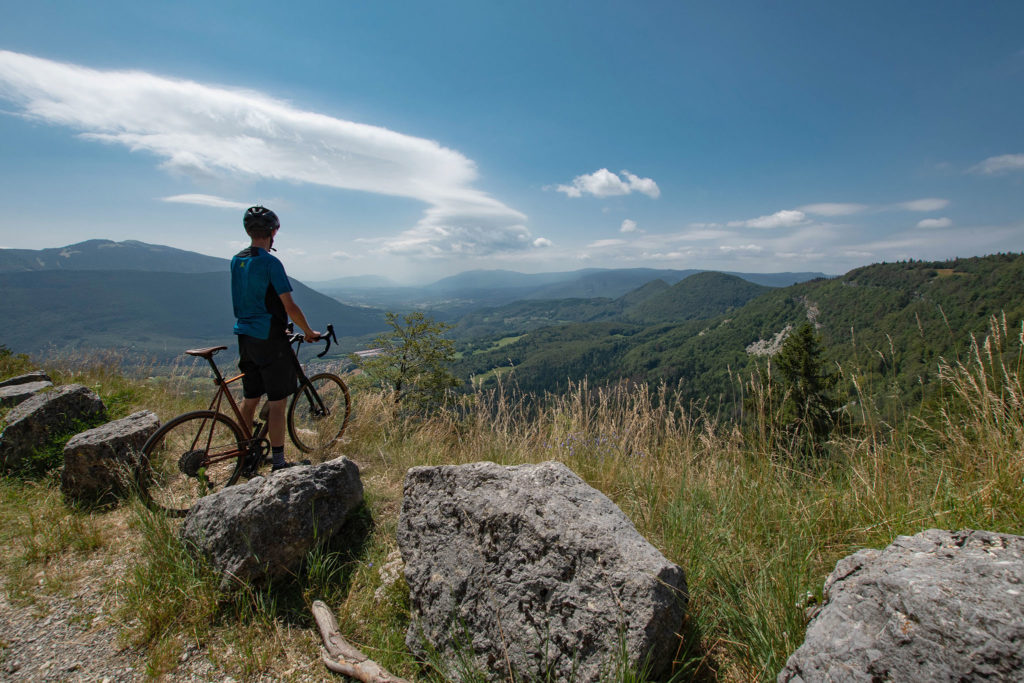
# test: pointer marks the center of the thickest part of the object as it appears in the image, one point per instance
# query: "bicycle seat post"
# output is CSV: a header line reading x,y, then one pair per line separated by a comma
x,y
218,378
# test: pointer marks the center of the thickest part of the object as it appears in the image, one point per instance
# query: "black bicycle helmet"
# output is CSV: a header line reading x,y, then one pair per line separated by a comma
x,y
260,219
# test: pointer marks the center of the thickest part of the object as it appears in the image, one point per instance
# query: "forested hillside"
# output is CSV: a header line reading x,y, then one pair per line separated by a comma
x,y
886,323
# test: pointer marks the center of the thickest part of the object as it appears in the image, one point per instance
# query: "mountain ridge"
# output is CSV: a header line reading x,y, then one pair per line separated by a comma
x,y
103,254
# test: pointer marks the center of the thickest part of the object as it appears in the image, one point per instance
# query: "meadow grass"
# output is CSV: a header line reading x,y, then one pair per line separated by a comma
x,y
755,525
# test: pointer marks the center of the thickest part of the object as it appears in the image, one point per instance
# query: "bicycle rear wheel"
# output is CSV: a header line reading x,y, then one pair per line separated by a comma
x,y
192,455
319,413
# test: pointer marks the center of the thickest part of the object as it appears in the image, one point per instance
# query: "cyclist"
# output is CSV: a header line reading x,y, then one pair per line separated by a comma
x,y
262,299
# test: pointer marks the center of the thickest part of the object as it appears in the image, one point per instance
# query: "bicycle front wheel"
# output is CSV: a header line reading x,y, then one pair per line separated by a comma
x,y
192,455
319,413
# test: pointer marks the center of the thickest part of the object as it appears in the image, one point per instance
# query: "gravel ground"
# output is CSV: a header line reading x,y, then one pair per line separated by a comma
x,y
66,630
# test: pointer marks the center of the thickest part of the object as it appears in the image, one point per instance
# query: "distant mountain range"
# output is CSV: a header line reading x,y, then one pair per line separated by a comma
x,y
700,295
150,299
454,296
110,255
138,299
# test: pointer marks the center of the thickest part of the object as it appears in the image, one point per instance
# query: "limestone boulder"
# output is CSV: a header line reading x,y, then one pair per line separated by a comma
x,y
528,572
262,529
36,421
102,463
937,606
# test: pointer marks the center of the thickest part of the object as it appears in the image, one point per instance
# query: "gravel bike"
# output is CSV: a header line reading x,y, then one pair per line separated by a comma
x,y
203,451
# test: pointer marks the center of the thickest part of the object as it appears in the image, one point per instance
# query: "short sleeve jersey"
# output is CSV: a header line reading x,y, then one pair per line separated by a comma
x,y
257,282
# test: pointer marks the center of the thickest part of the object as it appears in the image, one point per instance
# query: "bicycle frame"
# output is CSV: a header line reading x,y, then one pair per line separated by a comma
x,y
317,406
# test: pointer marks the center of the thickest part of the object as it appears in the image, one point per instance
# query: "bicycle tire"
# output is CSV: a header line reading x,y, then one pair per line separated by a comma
x,y
164,485
310,428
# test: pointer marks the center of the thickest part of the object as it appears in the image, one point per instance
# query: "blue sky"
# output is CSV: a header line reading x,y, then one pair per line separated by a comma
x,y
418,140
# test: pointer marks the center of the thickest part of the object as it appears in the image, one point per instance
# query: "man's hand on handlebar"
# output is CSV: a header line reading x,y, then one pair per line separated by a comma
x,y
313,336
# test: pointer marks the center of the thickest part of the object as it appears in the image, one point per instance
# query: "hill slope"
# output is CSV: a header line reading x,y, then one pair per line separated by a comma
x,y
703,295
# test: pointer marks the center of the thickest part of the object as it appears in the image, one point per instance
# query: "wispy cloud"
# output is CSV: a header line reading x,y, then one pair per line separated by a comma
x,y
749,248
929,204
604,183
833,209
1005,163
629,225
208,129
935,223
787,218
206,200
604,244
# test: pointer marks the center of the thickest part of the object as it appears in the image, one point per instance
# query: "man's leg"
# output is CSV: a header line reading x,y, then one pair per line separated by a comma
x,y
277,423
248,409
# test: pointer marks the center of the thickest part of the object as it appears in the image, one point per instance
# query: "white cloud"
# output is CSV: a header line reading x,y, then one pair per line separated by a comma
x,y
1000,164
207,129
629,225
340,255
645,186
206,200
833,209
935,223
930,204
787,218
604,183
542,242
750,248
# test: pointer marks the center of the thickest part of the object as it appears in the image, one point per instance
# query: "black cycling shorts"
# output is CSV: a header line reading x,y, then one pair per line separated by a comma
x,y
268,366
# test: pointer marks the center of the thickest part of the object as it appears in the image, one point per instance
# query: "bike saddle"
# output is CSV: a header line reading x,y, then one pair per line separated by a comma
x,y
205,353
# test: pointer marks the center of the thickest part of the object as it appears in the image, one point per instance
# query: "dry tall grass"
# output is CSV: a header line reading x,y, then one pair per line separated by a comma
x,y
756,528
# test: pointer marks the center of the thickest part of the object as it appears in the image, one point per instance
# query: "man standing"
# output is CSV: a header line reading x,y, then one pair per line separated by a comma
x,y
262,299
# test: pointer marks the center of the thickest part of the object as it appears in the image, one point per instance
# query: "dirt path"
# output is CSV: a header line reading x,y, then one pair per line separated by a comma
x,y
65,627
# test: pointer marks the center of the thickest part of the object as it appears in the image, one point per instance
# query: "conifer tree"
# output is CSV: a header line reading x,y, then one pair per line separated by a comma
x,y
810,406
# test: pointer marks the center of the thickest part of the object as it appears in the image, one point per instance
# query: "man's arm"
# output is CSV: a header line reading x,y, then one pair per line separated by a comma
x,y
297,317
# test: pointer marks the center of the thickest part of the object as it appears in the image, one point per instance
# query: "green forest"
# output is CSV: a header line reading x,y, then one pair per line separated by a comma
x,y
885,325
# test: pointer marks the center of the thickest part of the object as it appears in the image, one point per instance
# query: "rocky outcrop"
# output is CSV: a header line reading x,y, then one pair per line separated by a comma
x,y
27,378
14,394
34,422
102,463
262,529
937,606
528,572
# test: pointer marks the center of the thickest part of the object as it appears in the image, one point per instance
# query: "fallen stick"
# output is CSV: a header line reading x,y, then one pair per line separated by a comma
x,y
340,656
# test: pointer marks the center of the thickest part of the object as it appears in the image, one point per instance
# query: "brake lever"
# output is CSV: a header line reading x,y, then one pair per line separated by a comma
x,y
327,337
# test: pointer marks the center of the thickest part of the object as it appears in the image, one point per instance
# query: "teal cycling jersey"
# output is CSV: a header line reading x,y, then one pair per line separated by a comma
x,y
257,282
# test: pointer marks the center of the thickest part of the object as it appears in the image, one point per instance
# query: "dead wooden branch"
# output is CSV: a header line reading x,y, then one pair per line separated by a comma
x,y
340,656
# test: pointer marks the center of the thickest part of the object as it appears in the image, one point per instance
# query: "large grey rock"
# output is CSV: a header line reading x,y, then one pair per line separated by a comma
x,y
262,529
36,421
102,463
937,606
528,572
27,378
14,394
